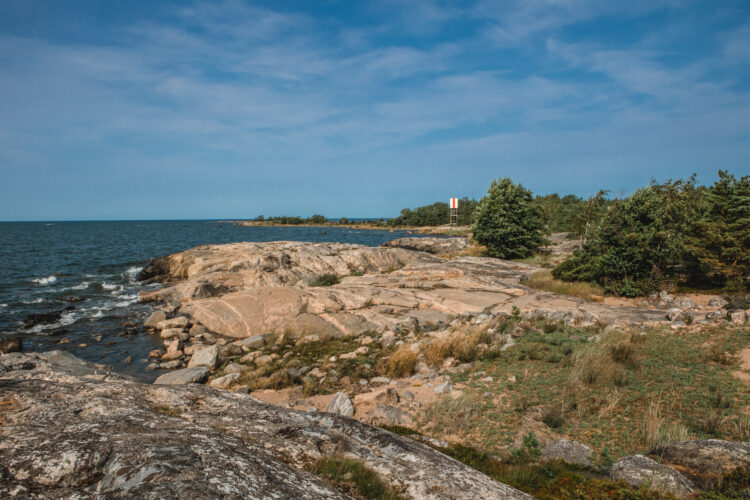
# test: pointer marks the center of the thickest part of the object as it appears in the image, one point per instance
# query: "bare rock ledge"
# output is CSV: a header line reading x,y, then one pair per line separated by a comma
x,y
71,430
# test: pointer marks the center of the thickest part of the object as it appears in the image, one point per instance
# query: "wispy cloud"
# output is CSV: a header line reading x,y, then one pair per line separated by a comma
x,y
238,97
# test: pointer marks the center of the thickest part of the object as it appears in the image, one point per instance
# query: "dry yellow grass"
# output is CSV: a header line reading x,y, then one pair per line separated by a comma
x,y
656,429
460,344
402,362
543,280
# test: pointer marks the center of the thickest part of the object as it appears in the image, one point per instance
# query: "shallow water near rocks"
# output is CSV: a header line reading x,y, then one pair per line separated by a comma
x,y
80,277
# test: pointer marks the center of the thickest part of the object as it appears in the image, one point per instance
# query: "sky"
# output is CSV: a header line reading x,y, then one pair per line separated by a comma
x,y
127,109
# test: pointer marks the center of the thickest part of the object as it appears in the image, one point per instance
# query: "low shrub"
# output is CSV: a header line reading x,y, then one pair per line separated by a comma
x,y
325,280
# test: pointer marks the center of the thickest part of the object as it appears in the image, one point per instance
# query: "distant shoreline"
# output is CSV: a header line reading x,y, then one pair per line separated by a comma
x,y
459,231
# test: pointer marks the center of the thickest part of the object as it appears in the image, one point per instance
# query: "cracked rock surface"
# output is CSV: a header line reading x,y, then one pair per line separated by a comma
x,y
70,430
244,289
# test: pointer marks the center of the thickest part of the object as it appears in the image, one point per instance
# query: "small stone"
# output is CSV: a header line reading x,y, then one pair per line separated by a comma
x,y
128,360
225,381
172,333
154,319
349,355
380,380
443,388
362,350
737,316
512,379
170,365
486,379
388,415
82,345
332,359
263,360
152,367
255,342
185,376
205,357
366,341
717,302
98,338
235,368
341,405
675,313
363,382
408,396
176,322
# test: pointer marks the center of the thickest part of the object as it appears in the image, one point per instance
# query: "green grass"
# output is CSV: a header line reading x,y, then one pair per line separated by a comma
x,y
353,477
543,280
620,395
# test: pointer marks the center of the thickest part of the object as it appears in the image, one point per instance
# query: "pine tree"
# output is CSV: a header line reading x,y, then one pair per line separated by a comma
x,y
508,221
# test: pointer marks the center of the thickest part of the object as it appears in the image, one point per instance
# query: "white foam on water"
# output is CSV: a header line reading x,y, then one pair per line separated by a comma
x,y
67,318
46,280
132,272
3,306
84,285
37,300
111,286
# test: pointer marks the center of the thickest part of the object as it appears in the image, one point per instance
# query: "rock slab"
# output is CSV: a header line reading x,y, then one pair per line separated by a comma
x,y
105,436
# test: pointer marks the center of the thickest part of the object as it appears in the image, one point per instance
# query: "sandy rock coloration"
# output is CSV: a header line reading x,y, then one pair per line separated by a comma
x,y
245,289
103,435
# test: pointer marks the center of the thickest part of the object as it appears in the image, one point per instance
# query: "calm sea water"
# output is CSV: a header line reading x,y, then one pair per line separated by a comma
x,y
84,272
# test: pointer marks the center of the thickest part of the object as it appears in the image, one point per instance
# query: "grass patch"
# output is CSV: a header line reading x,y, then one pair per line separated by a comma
x,y
622,394
460,344
401,363
354,478
548,480
543,280
325,280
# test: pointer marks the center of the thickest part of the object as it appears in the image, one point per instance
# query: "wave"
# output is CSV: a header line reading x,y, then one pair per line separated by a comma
x,y
37,300
84,285
3,306
132,272
66,319
46,280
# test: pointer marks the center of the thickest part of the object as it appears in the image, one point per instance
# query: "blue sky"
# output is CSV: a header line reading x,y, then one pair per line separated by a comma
x,y
141,109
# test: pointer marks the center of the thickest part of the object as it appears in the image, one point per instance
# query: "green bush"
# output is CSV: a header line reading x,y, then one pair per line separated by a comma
x,y
325,280
508,222
675,232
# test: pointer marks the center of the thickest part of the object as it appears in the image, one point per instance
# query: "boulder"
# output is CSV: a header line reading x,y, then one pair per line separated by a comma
x,y
708,459
235,368
11,344
443,388
205,357
191,375
637,471
675,313
341,405
684,303
737,316
176,322
255,342
570,451
388,415
717,302
154,319
225,381
169,333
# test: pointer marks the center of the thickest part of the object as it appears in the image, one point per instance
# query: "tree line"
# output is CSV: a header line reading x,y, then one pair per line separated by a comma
x,y
675,232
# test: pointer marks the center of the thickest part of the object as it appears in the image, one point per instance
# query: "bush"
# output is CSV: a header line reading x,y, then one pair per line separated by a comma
x,y
325,280
668,233
508,222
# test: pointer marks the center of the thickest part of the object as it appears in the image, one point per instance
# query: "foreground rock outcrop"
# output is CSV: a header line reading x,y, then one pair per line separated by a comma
x,y
69,429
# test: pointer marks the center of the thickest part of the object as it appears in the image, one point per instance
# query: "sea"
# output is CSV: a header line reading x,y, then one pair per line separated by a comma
x,y
73,285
